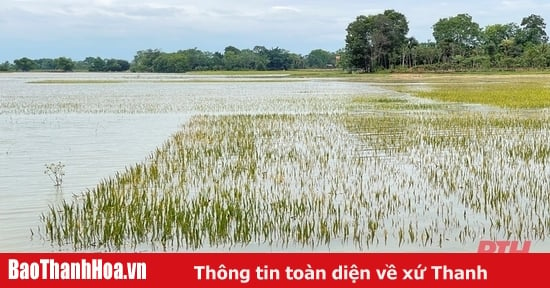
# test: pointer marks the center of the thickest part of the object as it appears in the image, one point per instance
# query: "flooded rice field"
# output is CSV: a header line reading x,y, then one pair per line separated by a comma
x,y
182,162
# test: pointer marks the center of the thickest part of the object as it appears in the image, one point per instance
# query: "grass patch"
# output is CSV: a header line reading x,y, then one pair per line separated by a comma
x,y
450,78
366,99
391,103
506,95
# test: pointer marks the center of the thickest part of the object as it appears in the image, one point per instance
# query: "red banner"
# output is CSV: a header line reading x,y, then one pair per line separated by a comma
x,y
287,270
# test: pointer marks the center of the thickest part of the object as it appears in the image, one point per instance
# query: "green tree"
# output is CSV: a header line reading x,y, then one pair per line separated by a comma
x,y
533,30
493,36
427,53
171,63
196,59
260,50
457,35
144,59
409,52
359,43
24,64
232,49
250,60
320,58
395,30
45,64
497,32
6,66
215,60
376,40
95,64
536,56
64,64
231,58
278,59
296,61
509,48
116,65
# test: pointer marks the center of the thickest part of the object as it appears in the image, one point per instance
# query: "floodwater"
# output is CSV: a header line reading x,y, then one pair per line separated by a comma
x,y
98,124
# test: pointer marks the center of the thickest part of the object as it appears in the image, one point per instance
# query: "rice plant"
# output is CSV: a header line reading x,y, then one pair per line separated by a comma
x,y
362,172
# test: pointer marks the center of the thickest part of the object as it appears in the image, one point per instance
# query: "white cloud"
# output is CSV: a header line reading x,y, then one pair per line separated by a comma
x,y
285,9
207,24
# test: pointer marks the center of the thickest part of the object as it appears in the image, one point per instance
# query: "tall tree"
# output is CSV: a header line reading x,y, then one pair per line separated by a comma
x,y
409,52
376,40
533,30
396,30
359,43
457,35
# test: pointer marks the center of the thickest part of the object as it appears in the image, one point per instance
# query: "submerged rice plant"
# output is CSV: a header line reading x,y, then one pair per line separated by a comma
x,y
225,181
484,173
379,172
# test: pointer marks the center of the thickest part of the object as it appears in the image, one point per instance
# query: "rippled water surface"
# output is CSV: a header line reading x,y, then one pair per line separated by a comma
x,y
399,173
98,124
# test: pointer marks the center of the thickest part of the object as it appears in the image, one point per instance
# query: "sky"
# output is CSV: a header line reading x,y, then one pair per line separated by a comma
x,y
119,28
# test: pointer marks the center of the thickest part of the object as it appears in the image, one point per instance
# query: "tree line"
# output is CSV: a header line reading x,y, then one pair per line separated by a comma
x,y
154,60
380,41
259,58
373,43
92,64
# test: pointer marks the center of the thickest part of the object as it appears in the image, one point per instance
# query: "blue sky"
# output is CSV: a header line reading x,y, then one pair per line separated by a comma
x,y
119,28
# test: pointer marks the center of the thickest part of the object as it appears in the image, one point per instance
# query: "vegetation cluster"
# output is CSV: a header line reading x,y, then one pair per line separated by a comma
x,y
373,43
379,42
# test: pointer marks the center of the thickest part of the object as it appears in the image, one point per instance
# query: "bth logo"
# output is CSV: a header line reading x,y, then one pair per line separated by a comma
x,y
503,247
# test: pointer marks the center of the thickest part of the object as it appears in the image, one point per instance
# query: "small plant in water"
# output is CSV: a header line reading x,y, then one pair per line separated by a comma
x,y
55,172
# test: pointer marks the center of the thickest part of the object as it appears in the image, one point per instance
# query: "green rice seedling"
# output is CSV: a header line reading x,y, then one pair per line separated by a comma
x,y
506,95
322,180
